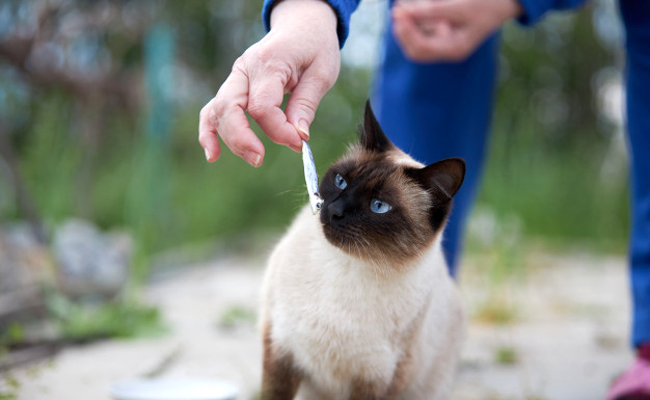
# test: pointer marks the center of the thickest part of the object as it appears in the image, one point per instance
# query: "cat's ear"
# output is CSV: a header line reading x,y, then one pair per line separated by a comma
x,y
442,179
372,137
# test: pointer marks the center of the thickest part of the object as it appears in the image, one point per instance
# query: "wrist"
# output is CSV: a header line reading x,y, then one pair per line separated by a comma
x,y
309,11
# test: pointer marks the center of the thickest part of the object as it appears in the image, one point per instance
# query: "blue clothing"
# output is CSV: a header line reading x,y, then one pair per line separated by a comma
x,y
636,17
443,110
437,111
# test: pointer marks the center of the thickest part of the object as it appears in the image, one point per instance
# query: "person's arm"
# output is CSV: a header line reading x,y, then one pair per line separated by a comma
x,y
451,30
343,9
299,55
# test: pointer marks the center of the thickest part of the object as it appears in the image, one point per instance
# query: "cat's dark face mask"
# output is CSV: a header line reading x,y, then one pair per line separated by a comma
x,y
378,209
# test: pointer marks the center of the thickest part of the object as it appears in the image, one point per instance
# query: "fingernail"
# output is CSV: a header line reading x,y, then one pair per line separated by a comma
x,y
207,154
253,159
303,127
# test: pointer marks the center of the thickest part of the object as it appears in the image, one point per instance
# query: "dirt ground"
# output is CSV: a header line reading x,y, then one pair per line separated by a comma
x,y
556,329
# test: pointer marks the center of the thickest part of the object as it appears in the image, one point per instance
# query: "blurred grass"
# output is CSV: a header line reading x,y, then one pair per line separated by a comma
x,y
78,322
562,197
168,198
237,315
505,356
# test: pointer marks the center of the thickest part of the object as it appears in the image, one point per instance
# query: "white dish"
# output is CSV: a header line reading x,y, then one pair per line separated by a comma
x,y
174,389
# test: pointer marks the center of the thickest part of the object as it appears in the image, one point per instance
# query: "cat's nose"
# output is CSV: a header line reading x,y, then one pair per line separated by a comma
x,y
336,210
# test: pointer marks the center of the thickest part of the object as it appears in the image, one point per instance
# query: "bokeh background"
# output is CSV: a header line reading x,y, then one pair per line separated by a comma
x,y
103,184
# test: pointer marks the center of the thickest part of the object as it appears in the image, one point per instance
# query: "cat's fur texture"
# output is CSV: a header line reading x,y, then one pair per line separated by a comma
x,y
358,304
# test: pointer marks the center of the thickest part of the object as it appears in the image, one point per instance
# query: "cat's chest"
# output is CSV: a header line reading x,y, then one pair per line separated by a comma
x,y
340,318
331,286
340,300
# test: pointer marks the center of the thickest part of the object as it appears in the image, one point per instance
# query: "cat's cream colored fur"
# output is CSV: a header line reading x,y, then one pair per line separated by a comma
x,y
348,325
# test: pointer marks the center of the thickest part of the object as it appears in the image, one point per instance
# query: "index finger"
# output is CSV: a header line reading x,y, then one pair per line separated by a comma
x,y
228,118
266,95
208,134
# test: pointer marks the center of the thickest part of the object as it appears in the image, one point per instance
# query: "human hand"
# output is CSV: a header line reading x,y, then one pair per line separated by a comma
x,y
300,55
448,30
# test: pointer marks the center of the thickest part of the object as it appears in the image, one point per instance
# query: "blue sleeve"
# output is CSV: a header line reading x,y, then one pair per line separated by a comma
x,y
343,9
535,9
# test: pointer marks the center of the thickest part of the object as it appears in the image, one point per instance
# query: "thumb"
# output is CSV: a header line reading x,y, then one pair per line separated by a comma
x,y
304,100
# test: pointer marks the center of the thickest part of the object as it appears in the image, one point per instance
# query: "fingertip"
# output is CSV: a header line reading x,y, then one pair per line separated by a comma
x,y
302,134
303,129
210,145
212,154
297,149
253,158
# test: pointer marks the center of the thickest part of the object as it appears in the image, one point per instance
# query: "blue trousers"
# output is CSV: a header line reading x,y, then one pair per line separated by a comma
x,y
441,110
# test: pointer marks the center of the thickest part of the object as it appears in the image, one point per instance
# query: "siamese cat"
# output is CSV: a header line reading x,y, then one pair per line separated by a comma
x,y
358,302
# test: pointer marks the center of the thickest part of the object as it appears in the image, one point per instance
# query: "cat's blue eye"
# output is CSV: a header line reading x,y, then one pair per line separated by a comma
x,y
379,207
339,182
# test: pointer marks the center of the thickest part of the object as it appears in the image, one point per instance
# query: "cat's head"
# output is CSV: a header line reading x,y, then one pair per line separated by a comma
x,y
380,204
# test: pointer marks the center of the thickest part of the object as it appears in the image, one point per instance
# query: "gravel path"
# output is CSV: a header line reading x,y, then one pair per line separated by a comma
x,y
556,329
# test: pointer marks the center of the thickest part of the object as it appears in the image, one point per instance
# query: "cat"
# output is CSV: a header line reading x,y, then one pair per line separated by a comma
x,y
358,303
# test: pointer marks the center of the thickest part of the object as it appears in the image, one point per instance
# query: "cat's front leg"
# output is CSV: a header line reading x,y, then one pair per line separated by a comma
x,y
362,390
280,378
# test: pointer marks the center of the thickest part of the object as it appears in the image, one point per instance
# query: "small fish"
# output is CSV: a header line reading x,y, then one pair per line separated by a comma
x,y
311,178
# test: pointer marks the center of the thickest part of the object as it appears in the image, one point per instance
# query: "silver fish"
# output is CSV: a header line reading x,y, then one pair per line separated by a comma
x,y
311,178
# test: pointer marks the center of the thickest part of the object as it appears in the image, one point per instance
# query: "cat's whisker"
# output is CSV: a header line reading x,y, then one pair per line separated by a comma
x,y
358,248
374,269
